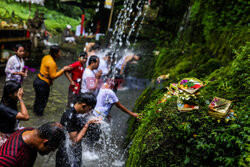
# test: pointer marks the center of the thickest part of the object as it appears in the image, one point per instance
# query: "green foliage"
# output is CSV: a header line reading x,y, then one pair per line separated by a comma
x,y
214,48
166,137
54,21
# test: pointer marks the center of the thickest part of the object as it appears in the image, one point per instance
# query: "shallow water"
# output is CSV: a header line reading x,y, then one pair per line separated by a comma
x,y
56,106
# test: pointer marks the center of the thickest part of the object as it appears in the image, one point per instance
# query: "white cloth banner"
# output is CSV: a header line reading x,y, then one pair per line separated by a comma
x,y
108,4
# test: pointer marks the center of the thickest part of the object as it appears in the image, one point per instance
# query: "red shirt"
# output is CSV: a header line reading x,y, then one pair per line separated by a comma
x,y
15,152
76,75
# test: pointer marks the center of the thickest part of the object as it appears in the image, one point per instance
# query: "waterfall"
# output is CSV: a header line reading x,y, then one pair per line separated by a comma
x,y
184,22
122,27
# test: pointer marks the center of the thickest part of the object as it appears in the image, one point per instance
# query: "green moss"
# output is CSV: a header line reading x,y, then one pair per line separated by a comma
x,y
54,21
166,137
213,48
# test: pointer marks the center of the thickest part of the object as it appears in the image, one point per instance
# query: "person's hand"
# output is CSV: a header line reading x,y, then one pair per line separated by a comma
x,y
98,74
134,62
137,116
95,120
20,94
121,72
23,74
72,83
67,68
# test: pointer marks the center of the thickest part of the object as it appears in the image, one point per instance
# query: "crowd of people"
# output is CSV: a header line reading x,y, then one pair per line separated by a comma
x,y
91,93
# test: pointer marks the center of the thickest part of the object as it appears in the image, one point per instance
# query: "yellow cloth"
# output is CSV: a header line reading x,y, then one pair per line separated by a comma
x,y
48,70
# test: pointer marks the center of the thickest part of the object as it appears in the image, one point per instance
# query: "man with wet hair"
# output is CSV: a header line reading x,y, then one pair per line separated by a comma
x,y
104,65
129,58
106,98
94,49
79,123
120,67
22,146
90,80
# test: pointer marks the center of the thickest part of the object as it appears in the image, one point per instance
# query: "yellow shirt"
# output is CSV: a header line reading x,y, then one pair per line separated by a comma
x,y
48,70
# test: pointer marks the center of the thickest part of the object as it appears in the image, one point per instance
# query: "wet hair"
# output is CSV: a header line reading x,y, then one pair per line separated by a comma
x,y
10,87
18,46
54,49
93,59
83,54
139,56
54,132
87,98
96,46
109,54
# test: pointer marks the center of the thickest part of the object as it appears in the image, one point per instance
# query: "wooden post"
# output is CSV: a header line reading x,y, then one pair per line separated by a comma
x,y
82,23
111,14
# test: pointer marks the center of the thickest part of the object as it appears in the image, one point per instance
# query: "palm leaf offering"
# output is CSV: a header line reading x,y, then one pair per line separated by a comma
x,y
186,91
190,85
219,107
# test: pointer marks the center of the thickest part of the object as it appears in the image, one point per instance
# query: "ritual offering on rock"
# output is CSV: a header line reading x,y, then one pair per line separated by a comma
x,y
184,107
173,89
186,91
190,85
162,77
219,107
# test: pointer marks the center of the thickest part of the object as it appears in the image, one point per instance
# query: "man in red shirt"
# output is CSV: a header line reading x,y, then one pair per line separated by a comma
x,y
76,76
22,146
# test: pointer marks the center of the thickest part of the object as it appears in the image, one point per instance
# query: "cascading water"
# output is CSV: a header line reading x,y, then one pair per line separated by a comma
x,y
184,22
122,27
108,150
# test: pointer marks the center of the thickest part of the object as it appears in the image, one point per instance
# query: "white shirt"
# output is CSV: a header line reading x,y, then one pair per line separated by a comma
x,y
103,65
14,64
88,82
105,100
78,30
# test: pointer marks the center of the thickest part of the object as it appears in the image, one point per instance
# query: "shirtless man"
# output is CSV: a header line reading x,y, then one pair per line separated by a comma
x,y
121,65
120,68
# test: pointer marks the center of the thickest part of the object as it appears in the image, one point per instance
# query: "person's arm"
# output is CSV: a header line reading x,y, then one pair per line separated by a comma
x,y
124,109
122,68
77,137
55,74
127,59
98,76
23,115
69,78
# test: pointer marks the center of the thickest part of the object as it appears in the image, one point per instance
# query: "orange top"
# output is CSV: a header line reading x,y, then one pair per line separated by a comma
x,y
48,70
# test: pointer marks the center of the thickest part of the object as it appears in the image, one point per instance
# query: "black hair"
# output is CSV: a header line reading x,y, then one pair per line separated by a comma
x,y
54,132
54,49
93,59
83,54
10,87
18,46
96,46
87,98
109,54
